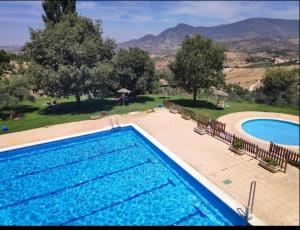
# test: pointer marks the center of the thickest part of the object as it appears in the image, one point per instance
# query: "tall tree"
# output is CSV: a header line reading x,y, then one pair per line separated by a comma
x,y
198,64
68,6
55,9
66,55
4,61
134,69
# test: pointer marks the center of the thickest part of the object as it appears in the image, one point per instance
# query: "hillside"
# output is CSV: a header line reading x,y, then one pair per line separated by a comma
x,y
250,35
11,49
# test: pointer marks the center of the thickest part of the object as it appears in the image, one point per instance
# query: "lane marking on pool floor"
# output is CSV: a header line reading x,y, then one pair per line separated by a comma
x,y
170,182
191,215
73,186
43,150
67,164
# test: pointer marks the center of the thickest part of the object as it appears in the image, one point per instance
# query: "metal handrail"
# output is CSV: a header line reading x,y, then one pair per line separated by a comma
x,y
249,208
111,123
117,122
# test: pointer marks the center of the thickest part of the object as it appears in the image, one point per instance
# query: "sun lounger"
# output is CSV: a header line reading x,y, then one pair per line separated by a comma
x,y
222,106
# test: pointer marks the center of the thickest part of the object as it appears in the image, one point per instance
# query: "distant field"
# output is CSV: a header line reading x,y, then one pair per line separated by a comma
x,y
245,77
36,115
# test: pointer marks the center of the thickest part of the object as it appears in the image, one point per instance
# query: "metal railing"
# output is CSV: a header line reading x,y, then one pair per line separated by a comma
x,y
249,208
111,123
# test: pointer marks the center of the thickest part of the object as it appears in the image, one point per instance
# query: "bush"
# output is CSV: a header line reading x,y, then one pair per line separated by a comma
x,y
237,143
236,92
270,161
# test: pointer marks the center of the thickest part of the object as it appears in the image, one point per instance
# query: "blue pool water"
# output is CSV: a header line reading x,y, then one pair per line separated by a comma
x,y
115,177
277,131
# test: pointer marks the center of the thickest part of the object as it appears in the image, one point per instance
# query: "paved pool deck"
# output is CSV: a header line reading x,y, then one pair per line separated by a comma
x,y
277,195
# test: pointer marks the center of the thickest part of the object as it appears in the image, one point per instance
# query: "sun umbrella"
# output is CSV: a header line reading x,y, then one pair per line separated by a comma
x,y
124,91
220,93
164,84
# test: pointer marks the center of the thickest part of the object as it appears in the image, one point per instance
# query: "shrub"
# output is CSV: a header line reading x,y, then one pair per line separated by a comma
x,y
237,143
270,161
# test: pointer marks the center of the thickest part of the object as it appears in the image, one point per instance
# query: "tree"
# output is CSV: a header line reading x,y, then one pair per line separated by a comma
x,y
4,61
65,56
134,69
198,64
13,90
281,86
56,9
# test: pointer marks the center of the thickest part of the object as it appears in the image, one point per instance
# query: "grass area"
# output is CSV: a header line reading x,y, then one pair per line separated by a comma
x,y
208,108
36,114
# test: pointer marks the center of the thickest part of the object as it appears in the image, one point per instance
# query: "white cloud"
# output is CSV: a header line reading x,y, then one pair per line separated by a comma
x,y
125,20
86,5
228,12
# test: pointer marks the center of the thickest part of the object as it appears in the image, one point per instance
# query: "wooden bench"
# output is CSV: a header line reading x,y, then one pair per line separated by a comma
x,y
173,111
199,130
102,114
150,111
186,117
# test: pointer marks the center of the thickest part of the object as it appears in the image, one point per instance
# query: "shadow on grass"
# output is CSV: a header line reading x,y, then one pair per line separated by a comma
x,y
22,109
92,106
199,104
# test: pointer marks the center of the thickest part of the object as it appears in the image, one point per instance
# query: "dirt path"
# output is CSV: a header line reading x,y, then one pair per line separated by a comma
x,y
254,86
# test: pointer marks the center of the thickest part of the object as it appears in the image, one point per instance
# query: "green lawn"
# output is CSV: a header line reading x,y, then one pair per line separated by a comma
x,y
36,114
208,107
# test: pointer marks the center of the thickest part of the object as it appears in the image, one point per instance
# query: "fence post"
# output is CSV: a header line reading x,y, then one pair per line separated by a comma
x,y
285,165
256,151
286,157
271,146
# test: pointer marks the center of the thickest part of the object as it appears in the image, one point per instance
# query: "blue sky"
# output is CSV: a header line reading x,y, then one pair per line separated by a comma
x,y
125,20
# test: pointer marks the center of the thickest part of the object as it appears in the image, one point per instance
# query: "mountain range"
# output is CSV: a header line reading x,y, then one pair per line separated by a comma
x,y
250,35
11,49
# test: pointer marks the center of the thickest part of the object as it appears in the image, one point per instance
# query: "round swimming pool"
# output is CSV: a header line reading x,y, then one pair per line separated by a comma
x,y
277,131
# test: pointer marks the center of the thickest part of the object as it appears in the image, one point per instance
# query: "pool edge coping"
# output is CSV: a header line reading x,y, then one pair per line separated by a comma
x,y
217,191
240,129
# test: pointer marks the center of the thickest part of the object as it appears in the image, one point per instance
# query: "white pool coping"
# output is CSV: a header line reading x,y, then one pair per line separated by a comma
x,y
229,201
240,128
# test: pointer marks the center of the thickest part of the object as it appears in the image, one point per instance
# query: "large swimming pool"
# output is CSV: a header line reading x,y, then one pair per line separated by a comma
x,y
114,177
277,131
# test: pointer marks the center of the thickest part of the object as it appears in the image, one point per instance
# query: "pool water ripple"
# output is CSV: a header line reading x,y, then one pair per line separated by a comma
x,y
105,178
277,131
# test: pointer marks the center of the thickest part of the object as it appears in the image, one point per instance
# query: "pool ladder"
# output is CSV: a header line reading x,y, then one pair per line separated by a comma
x,y
249,208
112,123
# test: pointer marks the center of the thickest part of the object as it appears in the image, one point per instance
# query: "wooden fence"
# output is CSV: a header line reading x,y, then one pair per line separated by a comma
x,y
217,129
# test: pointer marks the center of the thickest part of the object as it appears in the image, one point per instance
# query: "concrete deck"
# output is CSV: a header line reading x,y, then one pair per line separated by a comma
x,y
277,195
